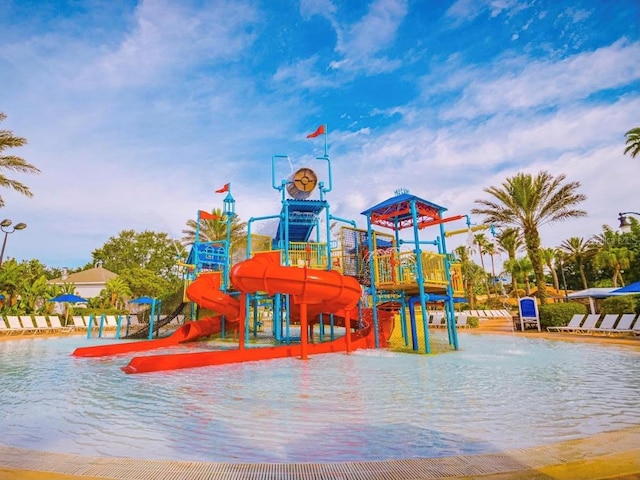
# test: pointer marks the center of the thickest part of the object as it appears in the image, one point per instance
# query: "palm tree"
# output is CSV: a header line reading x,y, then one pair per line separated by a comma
x,y
520,268
509,241
115,292
529,202
214,230
481,241
633,142
579,252
13,163
610,255
462,255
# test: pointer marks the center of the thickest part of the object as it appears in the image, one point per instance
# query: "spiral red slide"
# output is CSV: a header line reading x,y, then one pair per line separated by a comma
x,y
317,291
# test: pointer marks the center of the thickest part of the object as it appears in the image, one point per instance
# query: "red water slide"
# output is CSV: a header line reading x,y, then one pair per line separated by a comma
x,y
314,291
205,291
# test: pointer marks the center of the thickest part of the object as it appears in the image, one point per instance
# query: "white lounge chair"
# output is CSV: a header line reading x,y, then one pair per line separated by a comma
x,y
77,322
438,320
15,327
589,323
574,323
3,327
54,320
41,323
625,323
111,322
27,324
606,326
636,328
461,321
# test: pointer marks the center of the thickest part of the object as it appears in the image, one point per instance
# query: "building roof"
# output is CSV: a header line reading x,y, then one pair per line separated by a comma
x,y
97,275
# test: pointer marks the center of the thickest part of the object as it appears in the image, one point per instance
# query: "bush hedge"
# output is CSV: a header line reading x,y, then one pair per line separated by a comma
x,y
473,322
621,304
559,314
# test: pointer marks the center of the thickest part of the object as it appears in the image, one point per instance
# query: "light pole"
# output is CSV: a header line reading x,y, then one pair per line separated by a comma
x,y
4,225
625,223
564,281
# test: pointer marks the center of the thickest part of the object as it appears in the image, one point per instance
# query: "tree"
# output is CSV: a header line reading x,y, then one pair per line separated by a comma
x,y
143,282
153,251
529,202
471,273
633,142
116,292
216,229
520,269
13,163
509,241
610,253
549,255
481,241
579,252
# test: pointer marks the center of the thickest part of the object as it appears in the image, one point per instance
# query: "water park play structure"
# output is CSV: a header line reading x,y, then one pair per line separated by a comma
x,y
356,288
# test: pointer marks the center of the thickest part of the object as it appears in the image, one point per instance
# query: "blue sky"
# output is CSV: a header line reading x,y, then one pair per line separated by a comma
x,y
137,112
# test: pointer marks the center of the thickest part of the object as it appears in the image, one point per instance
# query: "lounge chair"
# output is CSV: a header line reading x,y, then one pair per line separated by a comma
x,y
636,328
54,320
3,327
41,323
589,323
438,320
15,327
27,324
77,322
461,321
624,324
574,323
606,326
111,322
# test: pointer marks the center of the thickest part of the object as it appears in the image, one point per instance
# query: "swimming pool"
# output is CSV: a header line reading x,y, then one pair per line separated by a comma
x,y
496,393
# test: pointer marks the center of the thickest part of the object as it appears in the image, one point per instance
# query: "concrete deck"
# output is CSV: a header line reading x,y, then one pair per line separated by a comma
x,y
609,455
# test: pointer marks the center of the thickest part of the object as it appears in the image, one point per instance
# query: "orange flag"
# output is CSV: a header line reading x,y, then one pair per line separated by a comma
x,y
319,131
223,189
207,216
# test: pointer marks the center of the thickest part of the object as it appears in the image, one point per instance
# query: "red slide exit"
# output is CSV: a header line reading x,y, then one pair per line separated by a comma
x,y
205,291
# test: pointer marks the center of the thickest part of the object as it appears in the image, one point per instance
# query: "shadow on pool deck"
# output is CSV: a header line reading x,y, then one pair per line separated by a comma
x,y
607,455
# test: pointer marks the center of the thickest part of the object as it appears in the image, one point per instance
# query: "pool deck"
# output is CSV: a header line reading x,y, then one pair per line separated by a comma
x,y
614,454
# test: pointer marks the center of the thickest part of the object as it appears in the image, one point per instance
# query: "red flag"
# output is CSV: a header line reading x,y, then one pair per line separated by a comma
x,y
319,131
223,189
207,216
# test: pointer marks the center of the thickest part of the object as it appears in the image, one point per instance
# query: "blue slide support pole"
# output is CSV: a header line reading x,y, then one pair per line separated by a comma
x,y
90,326
152,318
101,328
118,326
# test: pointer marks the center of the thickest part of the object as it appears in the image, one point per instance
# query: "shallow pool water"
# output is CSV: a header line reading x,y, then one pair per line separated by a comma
x,y
496,393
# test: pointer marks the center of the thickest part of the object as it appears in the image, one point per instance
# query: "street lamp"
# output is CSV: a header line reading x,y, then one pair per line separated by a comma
x,y
625,223
4,225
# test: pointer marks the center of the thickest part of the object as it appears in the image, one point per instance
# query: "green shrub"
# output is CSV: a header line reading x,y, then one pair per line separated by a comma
x,y
473,322
559,314
621,304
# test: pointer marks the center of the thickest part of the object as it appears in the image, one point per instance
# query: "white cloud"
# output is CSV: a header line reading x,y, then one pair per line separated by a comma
x,y
543,84
168,36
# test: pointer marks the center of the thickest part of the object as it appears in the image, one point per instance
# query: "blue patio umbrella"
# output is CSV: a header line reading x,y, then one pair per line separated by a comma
x,y
143,300
631,288
68,298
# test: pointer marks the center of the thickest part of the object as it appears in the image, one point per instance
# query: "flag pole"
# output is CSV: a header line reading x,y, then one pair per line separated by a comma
x,y
326,152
